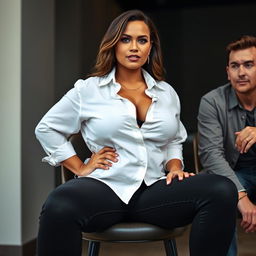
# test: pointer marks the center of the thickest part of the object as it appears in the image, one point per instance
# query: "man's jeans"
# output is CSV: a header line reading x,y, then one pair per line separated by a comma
x,y
247,178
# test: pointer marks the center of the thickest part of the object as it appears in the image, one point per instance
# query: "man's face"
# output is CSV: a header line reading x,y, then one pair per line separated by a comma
x,y
241,70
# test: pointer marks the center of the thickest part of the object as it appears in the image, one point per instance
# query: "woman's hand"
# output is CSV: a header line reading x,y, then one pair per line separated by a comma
x,y
174,168
102,159
179,174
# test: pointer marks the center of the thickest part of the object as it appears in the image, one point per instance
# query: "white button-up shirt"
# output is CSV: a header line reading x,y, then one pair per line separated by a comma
x,y
105,118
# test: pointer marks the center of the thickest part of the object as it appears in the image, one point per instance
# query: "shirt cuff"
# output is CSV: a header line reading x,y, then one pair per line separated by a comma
x,y
175,154
63,152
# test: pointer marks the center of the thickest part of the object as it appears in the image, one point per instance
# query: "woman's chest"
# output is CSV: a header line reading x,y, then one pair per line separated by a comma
x,y
116,117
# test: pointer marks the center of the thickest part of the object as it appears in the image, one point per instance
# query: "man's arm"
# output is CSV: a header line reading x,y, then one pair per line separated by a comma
x,y
211,141
211,150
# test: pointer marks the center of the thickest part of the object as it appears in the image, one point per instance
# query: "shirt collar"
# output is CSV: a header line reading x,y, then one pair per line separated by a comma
x,y
110,77
233,101
150,81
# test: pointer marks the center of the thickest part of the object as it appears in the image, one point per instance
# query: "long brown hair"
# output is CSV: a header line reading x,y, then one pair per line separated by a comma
x,y
106,59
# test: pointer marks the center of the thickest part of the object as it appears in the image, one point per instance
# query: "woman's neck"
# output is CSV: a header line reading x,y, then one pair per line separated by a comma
x,y
129,76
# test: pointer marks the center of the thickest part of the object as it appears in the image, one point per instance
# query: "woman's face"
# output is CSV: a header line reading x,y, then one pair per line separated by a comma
x,y
134,46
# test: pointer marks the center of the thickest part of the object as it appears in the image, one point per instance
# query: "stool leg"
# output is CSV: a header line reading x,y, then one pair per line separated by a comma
x,y
170,247
93,248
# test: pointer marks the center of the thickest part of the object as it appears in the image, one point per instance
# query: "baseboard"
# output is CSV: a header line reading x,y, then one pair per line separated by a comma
x,y
28,249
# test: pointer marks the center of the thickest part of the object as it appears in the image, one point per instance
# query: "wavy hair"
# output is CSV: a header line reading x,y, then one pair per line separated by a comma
x,y
242,43
106,58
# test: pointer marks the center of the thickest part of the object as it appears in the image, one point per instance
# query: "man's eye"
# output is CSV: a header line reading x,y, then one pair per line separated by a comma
x,y
125,40
234,66
143,40
248,65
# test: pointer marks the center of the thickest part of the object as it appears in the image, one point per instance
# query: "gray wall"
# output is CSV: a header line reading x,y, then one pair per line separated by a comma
x,y
37,95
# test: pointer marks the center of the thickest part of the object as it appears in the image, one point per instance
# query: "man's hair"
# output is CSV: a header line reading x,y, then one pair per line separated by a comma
x,y
242,43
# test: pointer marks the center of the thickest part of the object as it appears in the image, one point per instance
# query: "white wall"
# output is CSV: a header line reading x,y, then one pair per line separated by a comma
x,y
10,122
26,93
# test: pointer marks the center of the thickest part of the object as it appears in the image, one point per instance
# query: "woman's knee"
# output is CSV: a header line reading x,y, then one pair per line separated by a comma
x,y
223,189
225,186
59,206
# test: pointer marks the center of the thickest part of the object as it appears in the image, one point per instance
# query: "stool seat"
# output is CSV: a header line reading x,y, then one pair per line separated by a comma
x,y
134,232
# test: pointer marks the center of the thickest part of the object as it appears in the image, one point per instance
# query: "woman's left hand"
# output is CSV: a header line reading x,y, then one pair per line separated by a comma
x,y
179,174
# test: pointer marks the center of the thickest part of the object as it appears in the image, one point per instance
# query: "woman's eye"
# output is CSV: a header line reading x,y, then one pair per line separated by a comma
x,y
125,40
143,41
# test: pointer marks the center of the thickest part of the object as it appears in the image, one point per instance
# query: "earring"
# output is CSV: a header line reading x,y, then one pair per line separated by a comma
x,y
148,59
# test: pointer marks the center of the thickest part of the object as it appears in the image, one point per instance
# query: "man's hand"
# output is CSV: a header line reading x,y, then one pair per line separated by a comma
x,y
245,139
248,211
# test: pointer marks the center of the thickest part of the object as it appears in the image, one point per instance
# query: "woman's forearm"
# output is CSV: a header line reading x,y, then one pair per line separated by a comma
x,y
74,164
174,165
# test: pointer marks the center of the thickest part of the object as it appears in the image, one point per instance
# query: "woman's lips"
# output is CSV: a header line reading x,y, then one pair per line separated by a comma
x,y
133,58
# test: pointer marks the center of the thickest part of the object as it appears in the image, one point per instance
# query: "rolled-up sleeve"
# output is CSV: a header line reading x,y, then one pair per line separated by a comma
x,y
62,120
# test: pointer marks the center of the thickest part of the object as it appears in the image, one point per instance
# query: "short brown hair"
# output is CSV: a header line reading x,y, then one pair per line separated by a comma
x,y
242,43
106,56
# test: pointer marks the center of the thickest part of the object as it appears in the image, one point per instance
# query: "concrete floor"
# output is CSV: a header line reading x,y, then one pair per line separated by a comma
x,y
247,246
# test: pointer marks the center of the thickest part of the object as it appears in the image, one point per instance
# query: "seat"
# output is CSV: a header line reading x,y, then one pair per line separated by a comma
x,y
127,231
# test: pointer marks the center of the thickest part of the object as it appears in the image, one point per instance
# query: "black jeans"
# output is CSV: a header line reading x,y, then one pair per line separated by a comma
x,y
207,201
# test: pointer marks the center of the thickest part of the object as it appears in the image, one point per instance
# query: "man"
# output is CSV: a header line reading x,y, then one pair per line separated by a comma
x,y
227,129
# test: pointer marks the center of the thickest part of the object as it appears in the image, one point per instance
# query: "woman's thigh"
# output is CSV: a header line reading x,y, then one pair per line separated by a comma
x,y
178,203
86,201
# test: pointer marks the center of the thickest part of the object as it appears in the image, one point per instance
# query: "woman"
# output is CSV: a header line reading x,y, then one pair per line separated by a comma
x,y
130,119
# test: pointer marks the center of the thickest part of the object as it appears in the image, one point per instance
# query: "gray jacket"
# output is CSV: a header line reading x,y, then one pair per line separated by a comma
x,y
220,116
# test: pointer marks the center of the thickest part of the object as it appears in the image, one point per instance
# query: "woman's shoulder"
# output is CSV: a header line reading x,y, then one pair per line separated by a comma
x,y
88,83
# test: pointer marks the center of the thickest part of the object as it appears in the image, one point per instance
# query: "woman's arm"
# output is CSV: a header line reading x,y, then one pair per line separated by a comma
x,y
174,168
62,120
100,160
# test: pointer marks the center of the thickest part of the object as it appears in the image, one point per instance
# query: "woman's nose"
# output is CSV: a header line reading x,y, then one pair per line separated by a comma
x,y
134,46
